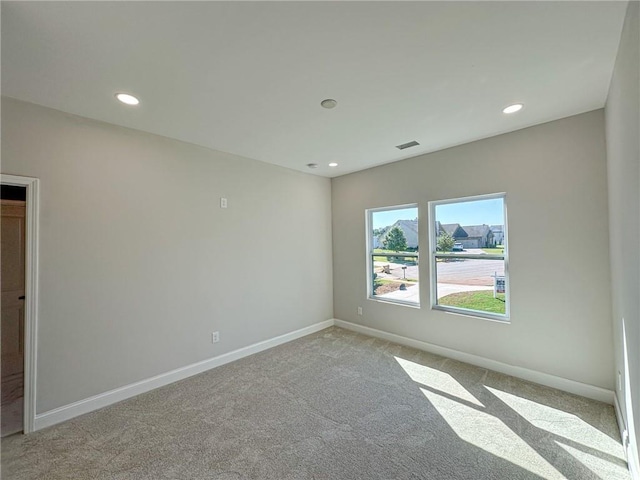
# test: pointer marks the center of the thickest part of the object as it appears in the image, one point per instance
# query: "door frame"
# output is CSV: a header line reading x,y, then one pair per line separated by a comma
x,y
31,293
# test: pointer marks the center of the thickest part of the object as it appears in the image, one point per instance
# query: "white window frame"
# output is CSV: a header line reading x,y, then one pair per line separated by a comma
x,y
504,318
370,254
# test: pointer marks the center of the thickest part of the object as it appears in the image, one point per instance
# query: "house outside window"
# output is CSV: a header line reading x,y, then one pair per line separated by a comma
x,y
392,254
469,256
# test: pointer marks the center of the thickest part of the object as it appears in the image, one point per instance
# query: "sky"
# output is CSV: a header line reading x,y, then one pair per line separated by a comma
x,y
389,217
477,212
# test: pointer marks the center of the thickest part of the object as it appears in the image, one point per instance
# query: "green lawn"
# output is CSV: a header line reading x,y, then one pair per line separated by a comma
x,y
392,258
482,301
498,250
383,281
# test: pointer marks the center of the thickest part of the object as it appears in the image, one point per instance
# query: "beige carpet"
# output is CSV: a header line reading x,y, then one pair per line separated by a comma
x,y
333,405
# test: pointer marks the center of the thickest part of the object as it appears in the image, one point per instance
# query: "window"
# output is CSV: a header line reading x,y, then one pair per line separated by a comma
x,y
392,263
469,252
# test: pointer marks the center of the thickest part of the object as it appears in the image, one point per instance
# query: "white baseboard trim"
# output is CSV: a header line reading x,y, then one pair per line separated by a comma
x,y
621,425
102,400
105,399
630,450
571,386
632,462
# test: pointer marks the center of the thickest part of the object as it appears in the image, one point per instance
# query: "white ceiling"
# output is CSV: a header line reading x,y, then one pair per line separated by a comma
x,y
248,77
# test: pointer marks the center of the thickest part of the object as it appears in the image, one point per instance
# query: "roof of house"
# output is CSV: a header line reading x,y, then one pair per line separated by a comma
x,y
408,227
477,230
453,229
407,224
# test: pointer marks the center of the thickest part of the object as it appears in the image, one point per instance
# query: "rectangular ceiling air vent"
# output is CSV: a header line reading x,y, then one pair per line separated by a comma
x,y
407,145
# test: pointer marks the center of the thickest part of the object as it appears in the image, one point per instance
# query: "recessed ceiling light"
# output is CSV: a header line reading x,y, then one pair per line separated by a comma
x,y
333,164
312,165
516,107
127,99
328,103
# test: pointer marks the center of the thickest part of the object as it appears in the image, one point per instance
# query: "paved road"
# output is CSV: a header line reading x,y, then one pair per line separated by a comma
x,y
470,272
462,275
412,271
459,272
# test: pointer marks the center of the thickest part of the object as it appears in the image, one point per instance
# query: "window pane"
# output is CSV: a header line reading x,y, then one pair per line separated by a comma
x,y
474,284
465,232
396,278
394,258
470,227
384,221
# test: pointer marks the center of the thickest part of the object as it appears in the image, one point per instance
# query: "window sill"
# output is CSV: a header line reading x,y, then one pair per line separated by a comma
x,y
492,317
395,302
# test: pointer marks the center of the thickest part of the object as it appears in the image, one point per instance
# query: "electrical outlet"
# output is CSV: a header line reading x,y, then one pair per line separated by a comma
x,y
215,337
223,202
359,310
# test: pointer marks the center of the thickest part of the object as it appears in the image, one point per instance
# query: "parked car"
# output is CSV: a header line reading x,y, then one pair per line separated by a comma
x,y
457,247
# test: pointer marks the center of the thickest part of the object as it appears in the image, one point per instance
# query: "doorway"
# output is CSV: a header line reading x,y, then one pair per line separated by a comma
x,y
13,201
19,202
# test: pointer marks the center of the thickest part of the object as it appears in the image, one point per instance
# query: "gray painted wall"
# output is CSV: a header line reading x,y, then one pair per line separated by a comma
x,y
138,264
623,158
554,176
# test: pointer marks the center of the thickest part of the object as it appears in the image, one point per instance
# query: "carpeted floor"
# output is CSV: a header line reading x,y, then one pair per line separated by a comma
x,y
333,405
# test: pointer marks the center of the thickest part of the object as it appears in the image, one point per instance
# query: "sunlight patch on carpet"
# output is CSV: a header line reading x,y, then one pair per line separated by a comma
x,y
436,379
562,424
491,434
602,467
